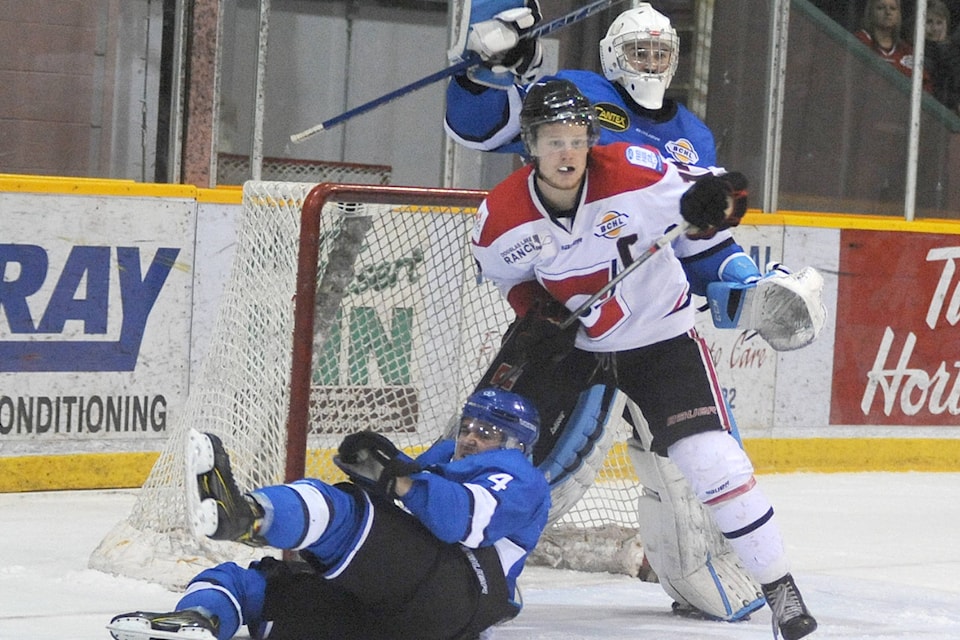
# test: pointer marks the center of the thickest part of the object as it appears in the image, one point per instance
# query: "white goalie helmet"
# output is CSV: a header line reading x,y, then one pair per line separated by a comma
x,y
641,52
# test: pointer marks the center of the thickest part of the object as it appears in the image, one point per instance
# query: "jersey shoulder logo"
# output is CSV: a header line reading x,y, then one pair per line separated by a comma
x,y
612,117
682,151
522,251
644,157
478,225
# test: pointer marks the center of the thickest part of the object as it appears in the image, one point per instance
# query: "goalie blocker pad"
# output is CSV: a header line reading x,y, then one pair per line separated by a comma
x,y
694,562
469,12
785,309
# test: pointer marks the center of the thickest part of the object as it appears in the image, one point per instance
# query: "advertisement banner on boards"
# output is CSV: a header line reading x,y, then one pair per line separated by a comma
x,y
898,330
746,365
95,305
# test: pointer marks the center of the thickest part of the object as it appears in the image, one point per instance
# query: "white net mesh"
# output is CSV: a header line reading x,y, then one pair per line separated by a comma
x,y
235,169
405,332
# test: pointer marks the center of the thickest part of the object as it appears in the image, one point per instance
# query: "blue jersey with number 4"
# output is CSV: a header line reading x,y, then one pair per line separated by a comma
x,y
492,498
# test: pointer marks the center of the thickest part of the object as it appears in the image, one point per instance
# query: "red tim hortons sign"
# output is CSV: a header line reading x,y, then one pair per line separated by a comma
x,y
897,350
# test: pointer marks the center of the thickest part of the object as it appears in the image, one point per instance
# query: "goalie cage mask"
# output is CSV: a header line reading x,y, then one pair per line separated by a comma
x,y
641,53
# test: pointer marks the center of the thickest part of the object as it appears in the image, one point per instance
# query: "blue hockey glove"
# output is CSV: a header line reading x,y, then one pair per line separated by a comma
x,y
507,57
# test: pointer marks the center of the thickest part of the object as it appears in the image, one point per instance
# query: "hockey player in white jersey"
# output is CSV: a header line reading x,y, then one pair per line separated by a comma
x,y
439,563
559,229
639,57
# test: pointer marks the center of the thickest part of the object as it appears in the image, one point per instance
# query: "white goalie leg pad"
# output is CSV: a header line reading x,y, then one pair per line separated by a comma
x,y
786,309
694,562
576,458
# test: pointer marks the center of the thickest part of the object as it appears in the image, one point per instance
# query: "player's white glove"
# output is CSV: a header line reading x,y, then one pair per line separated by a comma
x,y
507,57
491,38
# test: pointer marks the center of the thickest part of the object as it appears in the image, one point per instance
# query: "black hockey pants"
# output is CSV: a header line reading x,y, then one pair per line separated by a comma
x,y
403,583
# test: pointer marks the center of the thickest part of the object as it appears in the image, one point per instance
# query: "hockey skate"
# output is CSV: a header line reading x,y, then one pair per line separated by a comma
x,y
790,615
215,506
178,625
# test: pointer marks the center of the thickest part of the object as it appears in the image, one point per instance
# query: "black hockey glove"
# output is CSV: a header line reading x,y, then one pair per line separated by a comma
x,y
372,461
705,205
531,346
539,336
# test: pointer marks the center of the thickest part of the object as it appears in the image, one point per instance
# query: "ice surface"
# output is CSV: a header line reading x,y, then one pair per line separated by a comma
x,y
875,554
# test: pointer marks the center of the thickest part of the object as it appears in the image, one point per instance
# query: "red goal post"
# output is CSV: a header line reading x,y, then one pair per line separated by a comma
x,y
306,292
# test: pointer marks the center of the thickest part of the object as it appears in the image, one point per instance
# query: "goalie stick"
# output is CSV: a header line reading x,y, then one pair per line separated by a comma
x,y
541,30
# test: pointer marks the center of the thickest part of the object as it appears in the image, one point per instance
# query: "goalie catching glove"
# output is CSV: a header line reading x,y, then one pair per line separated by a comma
x,y
714,203
785,308
507,58
373,462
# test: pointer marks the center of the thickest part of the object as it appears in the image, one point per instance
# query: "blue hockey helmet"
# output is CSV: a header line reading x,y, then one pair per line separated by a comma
x,y
512,414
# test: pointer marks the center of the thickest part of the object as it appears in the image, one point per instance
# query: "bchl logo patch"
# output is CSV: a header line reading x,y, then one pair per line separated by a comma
x,y
682,151
645,157
612,117
611,224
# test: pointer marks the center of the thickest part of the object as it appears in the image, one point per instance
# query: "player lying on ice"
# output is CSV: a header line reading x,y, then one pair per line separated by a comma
x,y
441,566
556,232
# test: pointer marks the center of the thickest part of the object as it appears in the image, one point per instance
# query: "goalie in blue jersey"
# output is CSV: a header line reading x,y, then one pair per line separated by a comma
x,y
425,548
639,58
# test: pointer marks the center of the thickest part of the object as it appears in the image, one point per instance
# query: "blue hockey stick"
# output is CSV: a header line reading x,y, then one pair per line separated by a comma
x,y
540,30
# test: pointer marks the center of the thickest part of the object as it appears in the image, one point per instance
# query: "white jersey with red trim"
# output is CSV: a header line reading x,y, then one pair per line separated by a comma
x,y
631,197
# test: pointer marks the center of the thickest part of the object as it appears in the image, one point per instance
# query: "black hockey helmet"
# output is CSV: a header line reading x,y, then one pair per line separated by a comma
x,y
555,100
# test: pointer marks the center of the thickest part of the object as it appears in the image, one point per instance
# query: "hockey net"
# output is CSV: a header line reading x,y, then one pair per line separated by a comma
x,y
348,307
234,168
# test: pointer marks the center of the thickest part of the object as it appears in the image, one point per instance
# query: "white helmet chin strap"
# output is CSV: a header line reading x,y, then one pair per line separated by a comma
x,y
646,90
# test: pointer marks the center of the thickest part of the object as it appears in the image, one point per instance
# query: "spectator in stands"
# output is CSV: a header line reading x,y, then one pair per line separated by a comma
x,y
942,56
882,32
